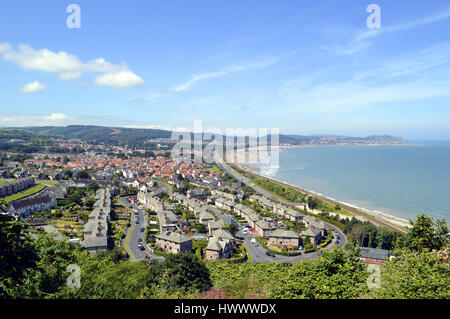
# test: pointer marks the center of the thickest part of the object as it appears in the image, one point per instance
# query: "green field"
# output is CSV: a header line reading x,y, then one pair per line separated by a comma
x,y
27,192
5,180
48,182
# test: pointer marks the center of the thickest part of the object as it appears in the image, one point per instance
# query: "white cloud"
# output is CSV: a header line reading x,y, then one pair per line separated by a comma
x,y
5,47
32,87
56,117
68,66
123,79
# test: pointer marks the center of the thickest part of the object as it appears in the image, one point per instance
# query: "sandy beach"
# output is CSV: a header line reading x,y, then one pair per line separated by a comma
x,y
377,218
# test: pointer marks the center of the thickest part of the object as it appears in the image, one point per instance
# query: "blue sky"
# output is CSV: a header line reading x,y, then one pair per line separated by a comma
x,y
305,67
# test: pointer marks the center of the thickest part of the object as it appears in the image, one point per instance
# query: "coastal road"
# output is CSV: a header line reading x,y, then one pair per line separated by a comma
x,y
259,190
136,233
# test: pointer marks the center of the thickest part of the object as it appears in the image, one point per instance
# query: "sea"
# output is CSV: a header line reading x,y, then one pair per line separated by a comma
x,y
400,181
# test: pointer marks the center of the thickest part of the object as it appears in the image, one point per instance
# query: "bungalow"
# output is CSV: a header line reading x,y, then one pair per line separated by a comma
x,y
282,237
173,242
373,256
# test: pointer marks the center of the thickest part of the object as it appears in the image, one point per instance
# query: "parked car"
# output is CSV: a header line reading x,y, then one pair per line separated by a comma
x,y
141,247
137,221
336,242
139,239
142,229
338,237
332,228
268,253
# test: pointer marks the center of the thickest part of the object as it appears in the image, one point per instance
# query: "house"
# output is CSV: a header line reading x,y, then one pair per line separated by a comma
x,y
282,237
168,221
220,245
224,203
218,248
373,255
16,186
293,215
31,205
173,242
198,193
95,232
264,228
205,217
315,235
215,225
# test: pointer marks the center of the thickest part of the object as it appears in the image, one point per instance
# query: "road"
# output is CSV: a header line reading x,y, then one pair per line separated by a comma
x,y
136,233
258,252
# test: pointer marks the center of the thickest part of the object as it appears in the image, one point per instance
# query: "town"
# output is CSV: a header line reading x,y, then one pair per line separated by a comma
x,y
111,197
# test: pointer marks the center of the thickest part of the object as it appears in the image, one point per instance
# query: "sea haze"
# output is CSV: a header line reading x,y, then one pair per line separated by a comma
x,y
401,181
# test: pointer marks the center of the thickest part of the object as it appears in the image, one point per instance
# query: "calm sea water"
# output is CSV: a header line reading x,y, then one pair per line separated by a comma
x,y
402,181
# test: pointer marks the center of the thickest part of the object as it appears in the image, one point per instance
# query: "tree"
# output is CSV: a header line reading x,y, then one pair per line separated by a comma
x,y
426,234
185,271
89,202
233,229
82,175
415,275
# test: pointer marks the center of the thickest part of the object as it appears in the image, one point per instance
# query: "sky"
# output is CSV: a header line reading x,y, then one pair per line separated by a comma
x,y
303,67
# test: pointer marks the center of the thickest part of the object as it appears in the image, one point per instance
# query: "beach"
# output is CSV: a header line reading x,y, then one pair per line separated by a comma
x,y
375,217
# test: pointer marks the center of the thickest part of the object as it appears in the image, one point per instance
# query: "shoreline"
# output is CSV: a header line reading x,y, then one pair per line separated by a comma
x,y
376,217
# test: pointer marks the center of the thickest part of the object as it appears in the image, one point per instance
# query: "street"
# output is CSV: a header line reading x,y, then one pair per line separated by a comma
x,y
136,232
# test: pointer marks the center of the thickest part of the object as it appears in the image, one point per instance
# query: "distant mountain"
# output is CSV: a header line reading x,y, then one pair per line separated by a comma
x,y
134,136
100,133
337,139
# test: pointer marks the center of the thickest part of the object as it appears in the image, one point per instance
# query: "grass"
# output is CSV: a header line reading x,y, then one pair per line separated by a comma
x,y
51,183
30,191
6,180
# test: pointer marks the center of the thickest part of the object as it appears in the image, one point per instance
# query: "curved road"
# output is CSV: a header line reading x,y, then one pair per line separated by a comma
x,y
258,253
136,233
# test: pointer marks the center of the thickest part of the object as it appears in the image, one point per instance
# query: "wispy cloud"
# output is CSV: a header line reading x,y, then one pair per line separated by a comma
x,y
363,39
236,68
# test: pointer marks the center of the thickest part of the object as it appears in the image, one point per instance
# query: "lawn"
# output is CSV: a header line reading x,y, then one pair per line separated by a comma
x,y
5,180
51,183
30,191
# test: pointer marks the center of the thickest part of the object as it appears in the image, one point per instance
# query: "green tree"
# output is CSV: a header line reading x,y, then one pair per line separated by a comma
x,y
183,271
233,229
427,234
415,275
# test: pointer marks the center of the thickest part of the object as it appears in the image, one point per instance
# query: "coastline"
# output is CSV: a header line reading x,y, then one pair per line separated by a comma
x,y
376,217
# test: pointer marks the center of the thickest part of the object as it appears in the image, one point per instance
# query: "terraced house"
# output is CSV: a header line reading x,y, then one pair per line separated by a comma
x,y
95,232
16,186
